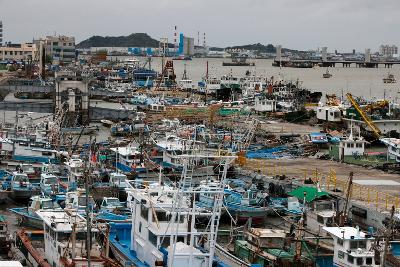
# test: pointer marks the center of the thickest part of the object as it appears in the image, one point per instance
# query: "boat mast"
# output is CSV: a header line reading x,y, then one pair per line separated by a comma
x,y
88,231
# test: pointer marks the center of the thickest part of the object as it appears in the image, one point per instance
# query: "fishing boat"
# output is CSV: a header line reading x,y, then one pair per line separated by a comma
x,y
238,61
64,242
128,159
85,130
119,180
389,79
353,247
21,187
270,247
27,216
144,77
76,201
49,184
327,74
320,207
185,83
110,204
162,232
75,167
241,204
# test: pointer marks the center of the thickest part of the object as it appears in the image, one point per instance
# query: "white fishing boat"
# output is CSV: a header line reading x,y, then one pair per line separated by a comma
x,y
128,159
353,247
162,232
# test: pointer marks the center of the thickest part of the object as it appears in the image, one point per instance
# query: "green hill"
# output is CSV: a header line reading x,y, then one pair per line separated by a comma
x,y
132,40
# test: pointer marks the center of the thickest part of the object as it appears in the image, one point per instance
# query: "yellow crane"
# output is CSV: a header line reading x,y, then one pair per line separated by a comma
x,y
377,132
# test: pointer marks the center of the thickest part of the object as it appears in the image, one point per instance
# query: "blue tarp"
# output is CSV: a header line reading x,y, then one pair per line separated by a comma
x,y
268,153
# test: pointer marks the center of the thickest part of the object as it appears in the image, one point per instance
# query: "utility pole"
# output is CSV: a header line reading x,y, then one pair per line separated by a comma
x,y
343,216
88,224
388,235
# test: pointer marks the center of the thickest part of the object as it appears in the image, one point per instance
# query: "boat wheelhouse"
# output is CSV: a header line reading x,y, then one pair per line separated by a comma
x,y
353,247
28,215
128,159
21,188
65,238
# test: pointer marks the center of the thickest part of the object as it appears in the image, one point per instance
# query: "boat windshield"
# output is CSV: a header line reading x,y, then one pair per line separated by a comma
x,y
21,178
49,204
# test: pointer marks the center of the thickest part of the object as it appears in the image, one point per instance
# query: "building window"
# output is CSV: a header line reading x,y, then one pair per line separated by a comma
x,y
360,261
340,241
368,261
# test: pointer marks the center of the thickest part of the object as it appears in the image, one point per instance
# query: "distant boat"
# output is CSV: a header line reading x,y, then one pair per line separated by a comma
x,y
238,61
327,74
389,79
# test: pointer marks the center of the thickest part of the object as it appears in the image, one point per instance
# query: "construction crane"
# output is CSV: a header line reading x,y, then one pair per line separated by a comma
x,y
376,131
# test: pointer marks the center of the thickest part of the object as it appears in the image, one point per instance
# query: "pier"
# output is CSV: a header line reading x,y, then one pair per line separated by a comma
x,y
280,61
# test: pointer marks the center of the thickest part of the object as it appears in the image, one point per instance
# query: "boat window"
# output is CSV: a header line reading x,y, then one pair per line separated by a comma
x,y
21,178
61,236
323,206
340,254
320,219
360,261
49,204
362,244
165,241
153,238
144,212
368,261
350,259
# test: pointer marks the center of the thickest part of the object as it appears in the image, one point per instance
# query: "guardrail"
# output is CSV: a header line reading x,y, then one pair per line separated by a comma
x,y
327,181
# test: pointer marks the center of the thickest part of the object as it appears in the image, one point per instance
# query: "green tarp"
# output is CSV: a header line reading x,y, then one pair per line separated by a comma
x,y
312,193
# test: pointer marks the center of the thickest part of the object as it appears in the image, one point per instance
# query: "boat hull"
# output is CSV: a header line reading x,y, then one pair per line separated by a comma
x,y
27,219
21,194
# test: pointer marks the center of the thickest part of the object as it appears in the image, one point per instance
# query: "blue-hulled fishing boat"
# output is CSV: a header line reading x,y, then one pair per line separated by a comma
x,y
28,215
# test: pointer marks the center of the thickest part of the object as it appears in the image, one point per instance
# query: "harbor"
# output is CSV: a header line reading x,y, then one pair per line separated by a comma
x,y
196,149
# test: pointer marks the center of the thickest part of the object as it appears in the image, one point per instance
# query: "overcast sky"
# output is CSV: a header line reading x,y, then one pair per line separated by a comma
x,y
298,24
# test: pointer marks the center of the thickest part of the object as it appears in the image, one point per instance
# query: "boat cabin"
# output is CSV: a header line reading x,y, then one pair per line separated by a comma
x,y
155,223
110,204
353,247
118,179
49,184
75,167
262,104
393,145
65,238
128,159
329,113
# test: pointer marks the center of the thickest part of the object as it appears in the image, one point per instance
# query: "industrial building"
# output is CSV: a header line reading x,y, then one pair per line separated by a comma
x,y
186,45
388,50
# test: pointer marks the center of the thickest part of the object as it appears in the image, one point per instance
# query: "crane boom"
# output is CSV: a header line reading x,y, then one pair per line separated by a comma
x,y
377,132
